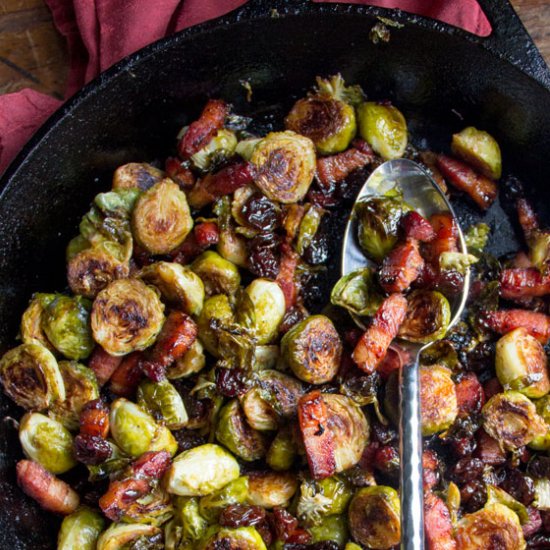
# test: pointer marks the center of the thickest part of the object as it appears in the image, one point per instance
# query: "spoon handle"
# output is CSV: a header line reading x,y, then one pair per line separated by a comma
x,y
410,443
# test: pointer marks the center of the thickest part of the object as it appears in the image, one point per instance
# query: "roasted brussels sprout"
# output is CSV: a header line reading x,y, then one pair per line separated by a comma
x,y
357,292
498,495
521,364
491,523
270,489
154,508
352,546
47,442
80,530
126,316
163,401
66,322
80,387
136,175
260,414
384,128
284,165
542,442
312,349
235,492
512,419
438,398
480,150
177,284
428,316
136,432
192,362
201,471
269,308
233,539
330,528
219,148
120,536
31,377
378,225
234,432
32,331
218,275
217,310
118,203
282,451
112,466
320,498
374,517
193,524
161,218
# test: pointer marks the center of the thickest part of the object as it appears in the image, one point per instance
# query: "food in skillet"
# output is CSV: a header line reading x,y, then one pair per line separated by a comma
x,y
203,384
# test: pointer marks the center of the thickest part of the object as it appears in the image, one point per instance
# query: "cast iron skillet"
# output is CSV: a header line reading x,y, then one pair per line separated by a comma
x,y
442,79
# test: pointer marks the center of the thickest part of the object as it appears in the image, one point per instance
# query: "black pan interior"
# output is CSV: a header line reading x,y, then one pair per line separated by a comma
x,y
441,81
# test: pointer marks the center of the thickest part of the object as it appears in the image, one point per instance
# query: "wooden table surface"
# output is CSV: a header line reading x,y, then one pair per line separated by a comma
x,y
33,54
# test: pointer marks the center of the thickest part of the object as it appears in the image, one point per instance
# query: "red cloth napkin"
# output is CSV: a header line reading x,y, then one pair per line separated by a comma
x,y
101,32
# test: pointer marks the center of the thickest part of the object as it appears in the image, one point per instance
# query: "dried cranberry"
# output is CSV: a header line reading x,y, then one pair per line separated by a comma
x,y
473,495
241,515
383,434
265,531
318,250
463,446
91,449
481,358
285,527
188,439
264,257
519,486
545,516
231,382
466,469
293,315
539,467
539,542
261,213
386,460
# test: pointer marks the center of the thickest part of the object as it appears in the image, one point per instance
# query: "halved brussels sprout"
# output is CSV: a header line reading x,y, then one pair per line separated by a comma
x,y
542,442
66,322
309,225
384,128
234,432
350,430
192,523
438,398
80,387
178,285
521,364
80,530
270,489
378,225
126,316
216,310
161,218
31,377
121,536
428,317
282,451
357,292
118,203
266,357
374,517
269,308
190,363
32,331
496,494
494,522
320,498
112,467
154,508
201,471
164,402
235,492
284,165
241,538
312,349
47,442
479,149
218,149
218,275
139,175
331,528
259,413
512,419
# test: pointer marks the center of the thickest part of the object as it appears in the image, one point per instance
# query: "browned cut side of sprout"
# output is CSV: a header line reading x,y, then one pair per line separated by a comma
x,y
270,489
136,174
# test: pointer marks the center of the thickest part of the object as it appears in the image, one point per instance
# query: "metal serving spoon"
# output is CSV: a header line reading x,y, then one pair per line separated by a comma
x,y
423,194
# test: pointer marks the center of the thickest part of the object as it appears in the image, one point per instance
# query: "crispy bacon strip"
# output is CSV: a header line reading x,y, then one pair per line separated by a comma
x,y
430,469
373,345
534,523
536,324
429,158
204,129
179,173
481,189
488,449
287,269
364,147
520,283
94,419
103,364
446,233
127,376
337,167
50,492
438,527
178,333
469,395
401,267
318,442
417,227
207,234
203,235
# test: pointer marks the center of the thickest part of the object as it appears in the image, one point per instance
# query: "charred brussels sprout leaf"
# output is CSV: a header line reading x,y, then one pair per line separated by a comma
x,y
269,305
31,377
284,165
384,128
357,292
120,536
163,401
233,539
480,150
428,317
80,530
47,442
32,331
312,349
161,218
270,489
126,316
218,275
235,492
322,498
219,149
136,175
66,322
374,517
438,397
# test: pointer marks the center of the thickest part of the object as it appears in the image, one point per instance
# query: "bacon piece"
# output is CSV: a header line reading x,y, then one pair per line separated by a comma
x,y
50,492
103,364
533,524
203,235
429,159
206,234
520,283
126,378
448,282
176,337
469,395
481,189
373,345
151,464
446,233
502,322
94,419
337,167
179,173
417,227
318,442
285,278
364,147
438,527
430,469
401,267
488,450
527,217
201,131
